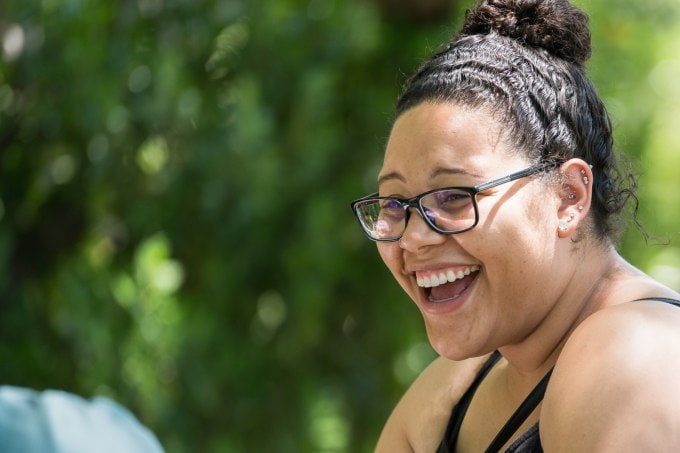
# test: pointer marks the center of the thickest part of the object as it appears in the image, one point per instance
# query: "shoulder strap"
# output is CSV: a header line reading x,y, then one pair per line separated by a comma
x,y
523,411
448,443
662,299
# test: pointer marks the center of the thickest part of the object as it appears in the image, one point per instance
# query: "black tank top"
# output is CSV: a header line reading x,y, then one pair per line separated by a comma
x,y
529,441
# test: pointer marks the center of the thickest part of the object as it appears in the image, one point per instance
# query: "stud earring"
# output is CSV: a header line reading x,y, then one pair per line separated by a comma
x,y
585,178
580,207
572,196
564,223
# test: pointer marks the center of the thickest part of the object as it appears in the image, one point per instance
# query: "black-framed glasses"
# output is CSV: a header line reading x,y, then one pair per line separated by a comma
x,y
448,210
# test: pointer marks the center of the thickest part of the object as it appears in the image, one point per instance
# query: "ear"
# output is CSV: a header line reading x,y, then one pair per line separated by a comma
x,y
576,195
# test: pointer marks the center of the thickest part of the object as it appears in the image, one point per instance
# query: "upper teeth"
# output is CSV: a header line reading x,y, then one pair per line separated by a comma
x,y
441,277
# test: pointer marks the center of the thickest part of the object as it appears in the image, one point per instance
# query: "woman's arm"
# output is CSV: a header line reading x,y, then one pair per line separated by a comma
x,y
419,420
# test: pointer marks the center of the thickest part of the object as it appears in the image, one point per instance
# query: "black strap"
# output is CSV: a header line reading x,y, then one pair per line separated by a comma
x,y
521,414
663,299
448,443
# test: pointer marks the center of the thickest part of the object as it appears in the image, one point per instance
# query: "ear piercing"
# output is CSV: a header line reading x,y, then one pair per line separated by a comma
x,y
585,178
572,196
564,223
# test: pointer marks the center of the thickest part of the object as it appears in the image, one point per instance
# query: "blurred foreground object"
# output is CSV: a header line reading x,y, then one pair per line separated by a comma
x,y
57,421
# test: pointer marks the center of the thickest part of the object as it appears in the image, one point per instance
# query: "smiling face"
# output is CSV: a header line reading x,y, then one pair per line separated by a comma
x,y
489,286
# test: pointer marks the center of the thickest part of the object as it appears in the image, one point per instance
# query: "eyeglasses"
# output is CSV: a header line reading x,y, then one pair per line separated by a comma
x,y
449,210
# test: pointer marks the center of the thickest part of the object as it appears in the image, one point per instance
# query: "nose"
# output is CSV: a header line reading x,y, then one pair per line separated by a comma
x,y
419,234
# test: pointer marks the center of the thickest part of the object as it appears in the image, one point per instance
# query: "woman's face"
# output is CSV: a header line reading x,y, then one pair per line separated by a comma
x,y
497,274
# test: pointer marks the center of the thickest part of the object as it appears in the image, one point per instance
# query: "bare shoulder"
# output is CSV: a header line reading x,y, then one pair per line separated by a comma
x,y
419,420
615,385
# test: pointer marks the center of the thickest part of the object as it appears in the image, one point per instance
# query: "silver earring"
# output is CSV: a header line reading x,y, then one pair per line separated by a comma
x,y
564,223
580,208
585,178
572,196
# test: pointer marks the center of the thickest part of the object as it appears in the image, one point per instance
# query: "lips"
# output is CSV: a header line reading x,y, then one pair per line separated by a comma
x,y
444,285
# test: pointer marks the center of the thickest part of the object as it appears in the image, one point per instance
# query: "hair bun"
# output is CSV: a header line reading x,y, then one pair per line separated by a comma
x,y
554,25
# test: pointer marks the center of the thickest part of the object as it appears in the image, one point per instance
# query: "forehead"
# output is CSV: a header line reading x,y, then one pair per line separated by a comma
x,y
444,135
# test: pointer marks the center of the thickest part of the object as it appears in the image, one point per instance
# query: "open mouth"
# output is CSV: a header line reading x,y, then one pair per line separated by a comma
x,y
446,284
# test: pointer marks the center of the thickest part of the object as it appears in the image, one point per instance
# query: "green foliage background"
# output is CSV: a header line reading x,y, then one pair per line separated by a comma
x,y
174,222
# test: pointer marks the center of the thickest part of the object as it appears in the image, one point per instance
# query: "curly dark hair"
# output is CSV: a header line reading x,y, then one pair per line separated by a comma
x,y
525,60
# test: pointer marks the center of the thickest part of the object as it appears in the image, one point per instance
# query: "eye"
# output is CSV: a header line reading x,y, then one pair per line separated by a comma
x,y
390,203
392,209
451,200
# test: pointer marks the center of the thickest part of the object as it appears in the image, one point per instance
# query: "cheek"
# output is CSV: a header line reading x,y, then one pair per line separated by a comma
x,y
527,222
524,249
542,207
391,254
517,239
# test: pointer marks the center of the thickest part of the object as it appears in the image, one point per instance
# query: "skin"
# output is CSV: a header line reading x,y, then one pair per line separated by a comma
x,y
541,298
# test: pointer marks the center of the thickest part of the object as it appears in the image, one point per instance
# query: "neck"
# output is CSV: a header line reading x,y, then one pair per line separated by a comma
x,y
584,292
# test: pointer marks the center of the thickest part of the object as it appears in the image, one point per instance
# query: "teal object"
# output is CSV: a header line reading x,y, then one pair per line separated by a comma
x,y
54,421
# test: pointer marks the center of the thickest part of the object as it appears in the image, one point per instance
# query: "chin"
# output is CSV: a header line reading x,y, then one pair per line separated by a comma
x,y
450,347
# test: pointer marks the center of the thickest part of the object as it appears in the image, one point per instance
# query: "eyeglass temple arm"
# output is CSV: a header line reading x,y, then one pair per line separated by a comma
x,y
513,176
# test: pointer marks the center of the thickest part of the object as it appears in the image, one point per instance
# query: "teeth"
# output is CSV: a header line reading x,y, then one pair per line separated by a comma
x,y
430,281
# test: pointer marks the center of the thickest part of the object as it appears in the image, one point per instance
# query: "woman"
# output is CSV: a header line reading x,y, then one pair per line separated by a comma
x,y
497,212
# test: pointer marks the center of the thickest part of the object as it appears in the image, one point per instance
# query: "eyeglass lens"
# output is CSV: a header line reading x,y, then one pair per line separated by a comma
x,y
448,210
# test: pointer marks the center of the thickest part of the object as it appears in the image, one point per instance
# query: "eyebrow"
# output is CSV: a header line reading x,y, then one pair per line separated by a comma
x,y
436,172
390,176
453,171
